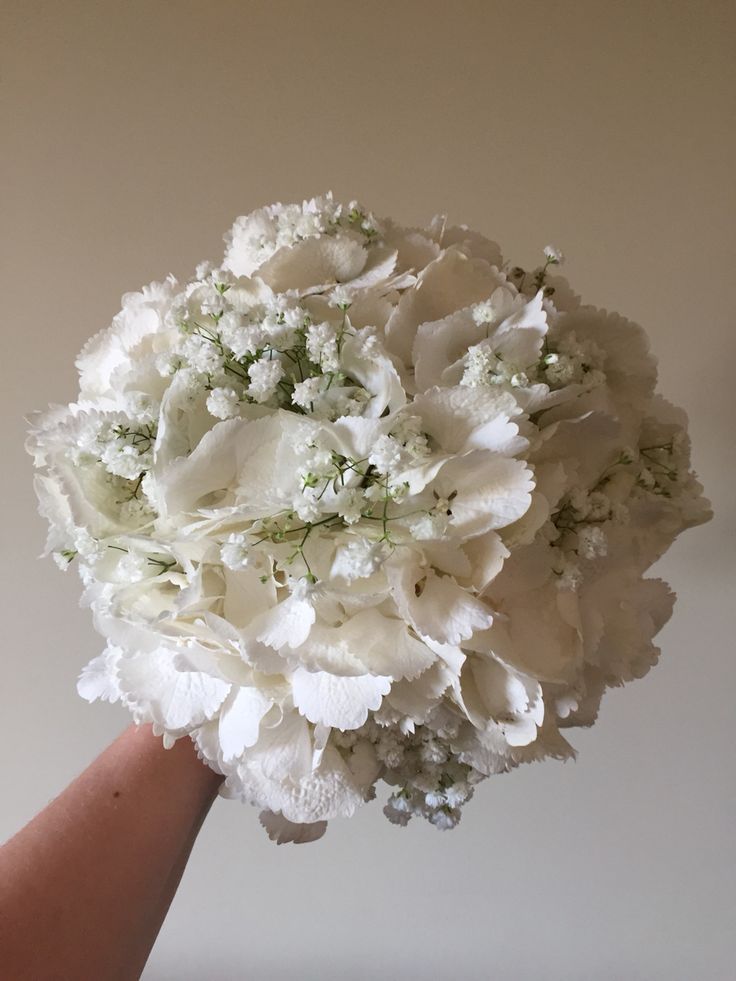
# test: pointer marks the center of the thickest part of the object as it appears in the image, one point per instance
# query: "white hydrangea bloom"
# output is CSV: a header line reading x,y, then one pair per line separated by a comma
x,y
356,504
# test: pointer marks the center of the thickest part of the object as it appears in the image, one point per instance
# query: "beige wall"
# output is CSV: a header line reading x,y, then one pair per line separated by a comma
x,y
134,133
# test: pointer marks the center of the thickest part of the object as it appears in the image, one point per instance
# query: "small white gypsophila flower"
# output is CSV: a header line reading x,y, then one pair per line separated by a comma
x,y
235,552
435,799
306,505
132,567
409,432
341,297
359,559
318,458
479,363
583,351
223,403
243,339
445,818
321,342
348,402
483,312
430,526
141,406
433,751
402,803
592,542
599,506
308,391
367,344
399,810
168,363
553,255
63,558
457,793
349,504
125,460
278,332
202,355
386,454
88,547
265,376
561,371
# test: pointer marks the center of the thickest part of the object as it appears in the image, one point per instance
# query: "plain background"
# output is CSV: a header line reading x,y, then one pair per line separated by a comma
x,y
134,133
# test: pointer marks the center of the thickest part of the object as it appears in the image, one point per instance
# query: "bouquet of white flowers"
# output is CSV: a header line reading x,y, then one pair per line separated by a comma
x,y
361,502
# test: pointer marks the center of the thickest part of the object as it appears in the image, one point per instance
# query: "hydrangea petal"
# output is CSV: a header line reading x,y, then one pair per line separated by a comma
x,y
337,701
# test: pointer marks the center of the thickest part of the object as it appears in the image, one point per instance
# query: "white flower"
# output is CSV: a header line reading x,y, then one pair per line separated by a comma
x,y
479,363
124,460
432,525
169,363
341,296
553,256
386,455
321,342
202,355
223,403
592,542
483,313
307,506
89,548
307,392
265,376
445,818
132,567
349,504
235,552
359,559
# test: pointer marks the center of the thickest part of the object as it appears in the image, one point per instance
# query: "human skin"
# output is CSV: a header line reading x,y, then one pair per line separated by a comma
x,y
85,886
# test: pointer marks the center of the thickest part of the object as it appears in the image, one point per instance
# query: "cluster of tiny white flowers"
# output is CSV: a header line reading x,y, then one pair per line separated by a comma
x,y
223,402
573,363
431,783
278,226
322,346
265,376
235,551
360,558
